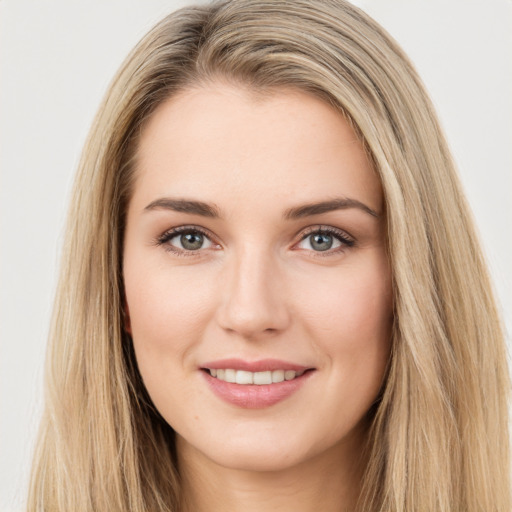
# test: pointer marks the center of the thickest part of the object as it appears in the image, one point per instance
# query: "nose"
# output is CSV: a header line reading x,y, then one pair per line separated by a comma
x,y
253,299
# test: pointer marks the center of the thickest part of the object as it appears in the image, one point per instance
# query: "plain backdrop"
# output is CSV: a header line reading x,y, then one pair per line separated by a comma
x,y
57,58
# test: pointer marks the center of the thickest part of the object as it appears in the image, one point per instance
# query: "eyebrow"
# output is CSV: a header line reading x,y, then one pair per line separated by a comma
x,y
298,212
185,206
340,203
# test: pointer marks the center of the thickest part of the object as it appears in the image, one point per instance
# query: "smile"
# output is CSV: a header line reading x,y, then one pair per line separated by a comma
x,y
256,384
258,378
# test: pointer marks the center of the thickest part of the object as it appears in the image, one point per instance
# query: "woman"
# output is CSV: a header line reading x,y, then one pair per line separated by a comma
x,y
272,294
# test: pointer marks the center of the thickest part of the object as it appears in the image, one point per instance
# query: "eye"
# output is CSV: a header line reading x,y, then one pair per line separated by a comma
x,y
185,240
325,239
190,241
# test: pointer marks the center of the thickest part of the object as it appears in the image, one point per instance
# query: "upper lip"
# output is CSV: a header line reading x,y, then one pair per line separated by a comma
x,y
261,365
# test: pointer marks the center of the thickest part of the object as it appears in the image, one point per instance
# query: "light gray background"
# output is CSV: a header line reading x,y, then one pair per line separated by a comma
x,y
57,58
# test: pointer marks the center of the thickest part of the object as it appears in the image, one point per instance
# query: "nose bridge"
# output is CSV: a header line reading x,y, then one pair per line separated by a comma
x,y
253,301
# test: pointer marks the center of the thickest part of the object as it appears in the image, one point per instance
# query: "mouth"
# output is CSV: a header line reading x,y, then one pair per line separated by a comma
x,y
244,377
255,385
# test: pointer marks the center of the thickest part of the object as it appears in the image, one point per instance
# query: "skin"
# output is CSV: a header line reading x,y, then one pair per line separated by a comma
x,y
259,288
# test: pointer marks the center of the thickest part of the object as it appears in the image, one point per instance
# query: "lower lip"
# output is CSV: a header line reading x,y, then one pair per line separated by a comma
x,y
252,396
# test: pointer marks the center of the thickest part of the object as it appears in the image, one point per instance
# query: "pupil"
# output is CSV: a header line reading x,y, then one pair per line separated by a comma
x,y
321,242
192,241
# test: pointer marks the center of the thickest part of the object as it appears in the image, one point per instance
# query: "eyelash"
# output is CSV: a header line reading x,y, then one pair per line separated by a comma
x,y
338,234
163,240
342,237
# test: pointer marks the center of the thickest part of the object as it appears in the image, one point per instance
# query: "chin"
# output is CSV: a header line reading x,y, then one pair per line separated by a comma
x,y
258,459
263,453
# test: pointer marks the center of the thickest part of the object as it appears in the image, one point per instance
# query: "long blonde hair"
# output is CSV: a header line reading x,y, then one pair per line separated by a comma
x,y
439,435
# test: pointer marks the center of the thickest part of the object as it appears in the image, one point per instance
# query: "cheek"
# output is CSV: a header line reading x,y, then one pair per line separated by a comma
x,y
165,309
354,303
350,318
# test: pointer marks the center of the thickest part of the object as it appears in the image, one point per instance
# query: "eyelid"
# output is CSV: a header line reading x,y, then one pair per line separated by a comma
x,y
331,230
169,234
346,240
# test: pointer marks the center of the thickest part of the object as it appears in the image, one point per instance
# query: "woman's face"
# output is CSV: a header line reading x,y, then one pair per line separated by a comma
x,y
255,253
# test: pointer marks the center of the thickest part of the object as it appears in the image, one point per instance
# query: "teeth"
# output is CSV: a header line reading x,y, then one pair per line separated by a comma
x,y
258,378
261,378
278,375
244,377
230,375
289,374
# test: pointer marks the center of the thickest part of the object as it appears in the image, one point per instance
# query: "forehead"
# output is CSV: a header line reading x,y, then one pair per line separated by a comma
x,y
222,142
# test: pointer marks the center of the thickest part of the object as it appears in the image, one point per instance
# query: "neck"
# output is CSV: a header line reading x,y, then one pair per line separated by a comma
x,y
329,482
